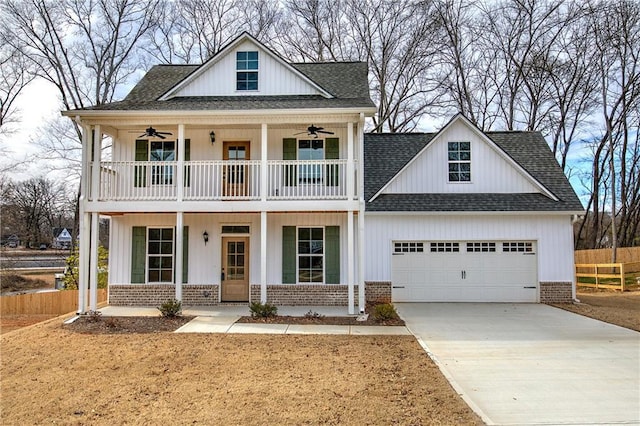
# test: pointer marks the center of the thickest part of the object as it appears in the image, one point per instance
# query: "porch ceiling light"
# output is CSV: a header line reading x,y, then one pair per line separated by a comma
x,y
205,237
212,136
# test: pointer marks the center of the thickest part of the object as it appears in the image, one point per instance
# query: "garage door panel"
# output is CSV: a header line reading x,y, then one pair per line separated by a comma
x,y
467,276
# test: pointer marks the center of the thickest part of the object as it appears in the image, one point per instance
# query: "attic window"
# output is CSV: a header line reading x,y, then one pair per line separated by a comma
x,y
246,70
459,155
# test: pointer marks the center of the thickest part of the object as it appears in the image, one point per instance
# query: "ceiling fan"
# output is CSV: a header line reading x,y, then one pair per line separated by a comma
x,y
153,133
313,131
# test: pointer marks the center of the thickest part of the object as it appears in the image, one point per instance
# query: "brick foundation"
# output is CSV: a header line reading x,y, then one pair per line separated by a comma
x,y
277,294
556,292
155,295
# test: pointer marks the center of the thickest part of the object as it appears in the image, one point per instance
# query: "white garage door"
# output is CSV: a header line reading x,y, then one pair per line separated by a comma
x,y
464,271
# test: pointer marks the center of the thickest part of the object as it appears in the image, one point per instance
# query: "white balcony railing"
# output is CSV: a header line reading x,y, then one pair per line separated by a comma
x,y
223,180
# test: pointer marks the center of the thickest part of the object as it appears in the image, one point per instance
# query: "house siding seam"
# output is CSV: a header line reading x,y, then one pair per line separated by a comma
x,y
556,292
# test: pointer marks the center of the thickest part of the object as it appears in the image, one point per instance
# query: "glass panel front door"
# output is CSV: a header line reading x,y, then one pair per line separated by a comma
x,y
235,269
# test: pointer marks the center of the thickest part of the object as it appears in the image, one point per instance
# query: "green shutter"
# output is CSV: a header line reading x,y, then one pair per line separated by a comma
x,y
332,254
289,255
140,172
187,157
138,252
185,255
332,152
290,152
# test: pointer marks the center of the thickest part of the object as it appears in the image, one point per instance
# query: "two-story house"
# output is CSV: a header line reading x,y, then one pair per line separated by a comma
x,y
248,178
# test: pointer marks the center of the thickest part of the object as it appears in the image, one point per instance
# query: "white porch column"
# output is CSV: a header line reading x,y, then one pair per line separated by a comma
x,y
178,254
361,242
95,167
83,261
350,260
263,163
93,274
350,164
180,164
263,257
83,249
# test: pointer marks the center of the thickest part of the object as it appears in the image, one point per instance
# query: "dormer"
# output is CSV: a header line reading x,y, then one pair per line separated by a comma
x,y
245,67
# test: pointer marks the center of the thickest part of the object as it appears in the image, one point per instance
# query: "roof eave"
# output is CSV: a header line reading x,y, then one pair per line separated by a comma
x,y
368,111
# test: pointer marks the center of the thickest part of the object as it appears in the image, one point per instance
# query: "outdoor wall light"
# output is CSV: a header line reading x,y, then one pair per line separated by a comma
x,y
205,237
212,136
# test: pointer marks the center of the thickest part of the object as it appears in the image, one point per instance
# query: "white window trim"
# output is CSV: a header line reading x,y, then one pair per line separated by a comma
x,y
324,263
460,182
173,256
247,70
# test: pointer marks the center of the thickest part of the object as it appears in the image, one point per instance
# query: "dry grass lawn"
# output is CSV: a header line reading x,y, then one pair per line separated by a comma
x,y
54,375
610,306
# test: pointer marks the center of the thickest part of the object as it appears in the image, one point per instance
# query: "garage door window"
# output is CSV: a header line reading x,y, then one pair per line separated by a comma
x,y
481,247
517,246
408,247
445,247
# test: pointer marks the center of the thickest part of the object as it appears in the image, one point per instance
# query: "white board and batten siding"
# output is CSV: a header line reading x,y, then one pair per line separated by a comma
x,y
205,260
274,78
551,236
490,172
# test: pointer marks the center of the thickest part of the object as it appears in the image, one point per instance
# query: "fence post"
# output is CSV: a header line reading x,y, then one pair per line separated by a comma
x,y
622,277
596,267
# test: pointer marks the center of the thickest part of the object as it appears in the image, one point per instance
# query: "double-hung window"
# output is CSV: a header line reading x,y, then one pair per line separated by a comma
x,y
160,255
163,151
459,156
310,255
311,151
247,70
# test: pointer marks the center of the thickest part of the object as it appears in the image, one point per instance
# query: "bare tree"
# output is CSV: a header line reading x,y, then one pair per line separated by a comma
x,y
401,42
35,206
14,77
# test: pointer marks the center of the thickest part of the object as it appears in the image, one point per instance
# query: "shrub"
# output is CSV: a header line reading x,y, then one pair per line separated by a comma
x,y
71,271
313,314
266,310
171,308
385,312
94,316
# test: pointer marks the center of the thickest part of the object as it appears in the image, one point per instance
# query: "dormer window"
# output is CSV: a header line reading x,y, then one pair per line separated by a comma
x,y
246,70
459,155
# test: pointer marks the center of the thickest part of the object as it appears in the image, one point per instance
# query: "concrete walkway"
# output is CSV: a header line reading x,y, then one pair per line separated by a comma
x,y
532,364
223,319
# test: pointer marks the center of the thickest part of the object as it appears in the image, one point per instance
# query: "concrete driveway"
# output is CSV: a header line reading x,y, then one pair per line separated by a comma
x,y
520,364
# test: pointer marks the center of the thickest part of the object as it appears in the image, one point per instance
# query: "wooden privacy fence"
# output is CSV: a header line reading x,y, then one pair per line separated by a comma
x,y
607,275
53,303
623,255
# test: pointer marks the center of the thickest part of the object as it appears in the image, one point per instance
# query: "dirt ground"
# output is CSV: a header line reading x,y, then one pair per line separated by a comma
x,y
50,374
610,306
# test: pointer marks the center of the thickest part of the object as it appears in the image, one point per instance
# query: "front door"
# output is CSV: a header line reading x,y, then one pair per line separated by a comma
x,y
235,269
235,175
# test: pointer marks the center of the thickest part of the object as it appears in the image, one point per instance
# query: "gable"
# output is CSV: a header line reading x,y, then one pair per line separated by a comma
x,y
217,77
491,170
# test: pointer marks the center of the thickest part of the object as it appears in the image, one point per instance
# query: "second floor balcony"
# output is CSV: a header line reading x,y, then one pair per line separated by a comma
x,y
226,180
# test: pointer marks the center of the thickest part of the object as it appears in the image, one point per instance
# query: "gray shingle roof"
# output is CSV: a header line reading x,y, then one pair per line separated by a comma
x,y
387,154
347,81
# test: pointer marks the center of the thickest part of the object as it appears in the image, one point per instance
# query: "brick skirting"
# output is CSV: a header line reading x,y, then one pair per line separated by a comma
x,y
156,294
277,294
556,292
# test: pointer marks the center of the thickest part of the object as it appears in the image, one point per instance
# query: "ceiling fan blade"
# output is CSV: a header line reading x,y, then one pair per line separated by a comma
x,y
300,133
164,133
324,131
158,135
143,135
